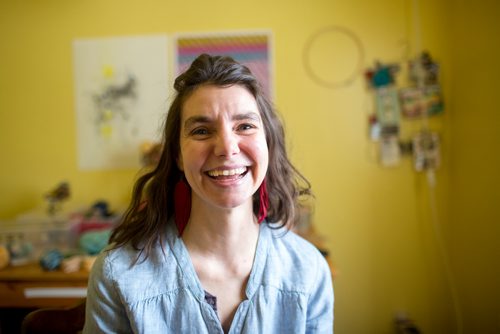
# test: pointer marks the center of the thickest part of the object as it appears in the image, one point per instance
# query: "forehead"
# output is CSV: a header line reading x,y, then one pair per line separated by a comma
x,y
214,100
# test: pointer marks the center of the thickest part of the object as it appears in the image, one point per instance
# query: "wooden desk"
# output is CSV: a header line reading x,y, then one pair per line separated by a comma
x,y
29,286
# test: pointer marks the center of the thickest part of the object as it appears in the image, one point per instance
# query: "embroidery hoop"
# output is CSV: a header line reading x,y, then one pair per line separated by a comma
x,y
318,78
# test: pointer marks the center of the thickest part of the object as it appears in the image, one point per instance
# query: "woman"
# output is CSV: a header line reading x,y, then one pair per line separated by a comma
x,y
204,246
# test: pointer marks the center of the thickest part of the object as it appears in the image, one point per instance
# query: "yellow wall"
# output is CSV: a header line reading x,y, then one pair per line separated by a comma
x,y
377,221
475,178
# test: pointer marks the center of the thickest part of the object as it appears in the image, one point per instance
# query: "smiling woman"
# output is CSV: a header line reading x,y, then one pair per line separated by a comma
x,y
224,153
206,246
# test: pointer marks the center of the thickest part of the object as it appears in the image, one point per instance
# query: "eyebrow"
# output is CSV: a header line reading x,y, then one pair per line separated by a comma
x,y
247,116
195,119
238,117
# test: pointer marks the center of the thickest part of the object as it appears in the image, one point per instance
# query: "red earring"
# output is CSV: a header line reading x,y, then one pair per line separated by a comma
x,y
263,202
182,205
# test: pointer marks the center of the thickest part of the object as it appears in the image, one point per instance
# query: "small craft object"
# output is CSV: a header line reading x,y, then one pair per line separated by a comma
x,y
51,260
4,257
93,242
71,264
88,262
56,196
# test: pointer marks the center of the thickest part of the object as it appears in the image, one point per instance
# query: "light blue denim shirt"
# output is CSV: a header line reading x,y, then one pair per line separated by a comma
x,y
289,291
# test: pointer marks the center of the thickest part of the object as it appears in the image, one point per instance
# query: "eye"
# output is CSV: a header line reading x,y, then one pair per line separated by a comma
x,y
246,126
199,132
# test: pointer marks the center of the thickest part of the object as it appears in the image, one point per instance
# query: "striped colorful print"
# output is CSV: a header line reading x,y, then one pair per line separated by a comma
x,y
252,50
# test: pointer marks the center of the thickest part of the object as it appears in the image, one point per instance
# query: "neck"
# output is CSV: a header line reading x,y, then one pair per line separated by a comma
x,y
221,233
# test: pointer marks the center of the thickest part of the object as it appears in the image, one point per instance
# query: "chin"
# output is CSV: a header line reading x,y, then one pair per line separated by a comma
x,y
233,204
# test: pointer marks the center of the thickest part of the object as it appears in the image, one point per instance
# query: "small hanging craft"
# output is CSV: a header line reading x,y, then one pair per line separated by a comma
x,y
323,78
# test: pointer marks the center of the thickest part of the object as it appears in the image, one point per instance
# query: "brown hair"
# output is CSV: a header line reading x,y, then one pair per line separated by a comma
x,y
144,224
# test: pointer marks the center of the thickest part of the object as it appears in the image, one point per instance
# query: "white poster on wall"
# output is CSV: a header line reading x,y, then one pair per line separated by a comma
x,y
121,86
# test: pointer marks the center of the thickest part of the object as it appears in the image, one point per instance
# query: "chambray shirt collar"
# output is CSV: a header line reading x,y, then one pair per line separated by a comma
x,y
186,267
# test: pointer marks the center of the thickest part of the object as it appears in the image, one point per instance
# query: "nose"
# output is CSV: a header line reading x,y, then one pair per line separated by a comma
x,y
227,144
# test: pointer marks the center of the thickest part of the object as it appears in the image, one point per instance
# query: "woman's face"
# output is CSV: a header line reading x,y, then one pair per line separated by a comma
x,y
223,149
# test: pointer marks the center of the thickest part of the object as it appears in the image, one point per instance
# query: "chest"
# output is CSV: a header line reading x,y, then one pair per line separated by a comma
x,y
268,310
228,292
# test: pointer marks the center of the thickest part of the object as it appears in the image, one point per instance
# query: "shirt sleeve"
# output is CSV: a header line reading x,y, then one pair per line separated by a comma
x,y
105,312
320,305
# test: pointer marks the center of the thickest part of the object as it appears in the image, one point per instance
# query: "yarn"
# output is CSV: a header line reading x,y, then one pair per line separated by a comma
x,y
51,260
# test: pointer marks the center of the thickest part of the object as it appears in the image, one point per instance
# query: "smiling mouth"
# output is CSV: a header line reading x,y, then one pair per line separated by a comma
x,y
227,173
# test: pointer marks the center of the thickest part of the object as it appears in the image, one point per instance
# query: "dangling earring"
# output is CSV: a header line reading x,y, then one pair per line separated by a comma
x,y
182,205
263,202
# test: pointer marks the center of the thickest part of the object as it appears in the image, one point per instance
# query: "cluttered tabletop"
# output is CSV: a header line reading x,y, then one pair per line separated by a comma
x,y
45,260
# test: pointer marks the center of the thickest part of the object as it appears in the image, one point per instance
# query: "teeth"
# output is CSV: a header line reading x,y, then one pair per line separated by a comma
x,y
227,172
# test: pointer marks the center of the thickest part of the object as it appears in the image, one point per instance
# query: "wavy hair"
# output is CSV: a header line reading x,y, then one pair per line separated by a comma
x,y
152,204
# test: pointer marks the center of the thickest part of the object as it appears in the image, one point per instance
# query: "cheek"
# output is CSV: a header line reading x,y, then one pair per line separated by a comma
x,y
261,153
180,157
183,161
190,156
265,160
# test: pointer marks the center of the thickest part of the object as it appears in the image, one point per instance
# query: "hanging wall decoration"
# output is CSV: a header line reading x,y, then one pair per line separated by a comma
x,y
386,117
252,49
333,57
426,150
120,91
387,106
417,100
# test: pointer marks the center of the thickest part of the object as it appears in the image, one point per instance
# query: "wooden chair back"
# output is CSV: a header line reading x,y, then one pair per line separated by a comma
x,y
55,320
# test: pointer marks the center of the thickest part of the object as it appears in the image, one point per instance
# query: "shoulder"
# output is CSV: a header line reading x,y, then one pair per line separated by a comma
x,y
289,244
135,280
300,262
